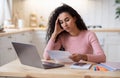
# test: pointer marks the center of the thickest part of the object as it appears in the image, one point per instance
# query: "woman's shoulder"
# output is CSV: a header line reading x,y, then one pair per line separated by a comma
x,y
89,33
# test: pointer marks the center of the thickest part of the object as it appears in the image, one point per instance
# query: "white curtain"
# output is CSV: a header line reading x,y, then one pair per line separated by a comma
x,y
1,11
5,10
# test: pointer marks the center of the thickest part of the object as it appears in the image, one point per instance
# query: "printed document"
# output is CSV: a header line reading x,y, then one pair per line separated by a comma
x,y
111,66
60,56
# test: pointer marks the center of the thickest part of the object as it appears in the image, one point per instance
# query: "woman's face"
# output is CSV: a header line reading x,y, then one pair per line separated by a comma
x,y
67,21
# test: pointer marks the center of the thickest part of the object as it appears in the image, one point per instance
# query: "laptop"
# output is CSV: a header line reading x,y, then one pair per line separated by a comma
x,y
28,55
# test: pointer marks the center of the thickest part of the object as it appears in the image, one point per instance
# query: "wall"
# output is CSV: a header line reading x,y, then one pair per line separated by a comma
x,y
102,12
94,12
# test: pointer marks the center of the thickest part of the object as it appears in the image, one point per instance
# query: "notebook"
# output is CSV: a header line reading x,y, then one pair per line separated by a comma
x,y
111,66
28,55
81,65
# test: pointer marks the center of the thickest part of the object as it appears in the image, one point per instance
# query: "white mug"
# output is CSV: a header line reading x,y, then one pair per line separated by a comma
x,y
20,23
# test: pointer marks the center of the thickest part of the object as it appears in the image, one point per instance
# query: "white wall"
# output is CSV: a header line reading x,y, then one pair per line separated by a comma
x,y
94,12
102,12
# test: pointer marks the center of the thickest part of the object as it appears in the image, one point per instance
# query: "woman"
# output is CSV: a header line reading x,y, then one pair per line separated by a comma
x,y
68,31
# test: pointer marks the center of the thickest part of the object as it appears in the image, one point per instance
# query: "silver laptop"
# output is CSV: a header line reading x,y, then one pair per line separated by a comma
x,y
28,55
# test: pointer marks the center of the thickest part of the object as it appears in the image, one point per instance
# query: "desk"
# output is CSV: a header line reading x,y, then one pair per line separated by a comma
x,y
15,69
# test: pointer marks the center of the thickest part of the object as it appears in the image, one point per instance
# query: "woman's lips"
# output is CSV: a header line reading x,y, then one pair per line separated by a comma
x,y
66,28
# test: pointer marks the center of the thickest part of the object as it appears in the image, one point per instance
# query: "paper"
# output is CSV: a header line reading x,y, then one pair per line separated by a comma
x,y
80,66
60,56
111,66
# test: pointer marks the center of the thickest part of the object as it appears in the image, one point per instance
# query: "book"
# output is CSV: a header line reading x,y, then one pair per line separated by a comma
x,y
81,65
111,66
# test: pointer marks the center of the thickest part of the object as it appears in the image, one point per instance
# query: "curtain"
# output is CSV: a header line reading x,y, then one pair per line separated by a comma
x,y
5,10
1,11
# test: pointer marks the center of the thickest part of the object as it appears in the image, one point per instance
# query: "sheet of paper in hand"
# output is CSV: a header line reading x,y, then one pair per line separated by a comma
x,y
60,56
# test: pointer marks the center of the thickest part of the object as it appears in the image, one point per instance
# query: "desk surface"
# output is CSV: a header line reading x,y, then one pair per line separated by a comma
x,y
15,69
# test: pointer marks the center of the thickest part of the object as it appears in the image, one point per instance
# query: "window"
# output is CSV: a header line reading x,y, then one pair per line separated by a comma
x,y
5,11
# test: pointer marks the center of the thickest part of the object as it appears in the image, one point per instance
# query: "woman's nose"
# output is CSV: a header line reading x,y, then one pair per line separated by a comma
x,y
64,24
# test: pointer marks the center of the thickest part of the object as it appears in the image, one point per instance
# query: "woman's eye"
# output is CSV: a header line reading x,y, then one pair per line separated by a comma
x,y
67,19
61,22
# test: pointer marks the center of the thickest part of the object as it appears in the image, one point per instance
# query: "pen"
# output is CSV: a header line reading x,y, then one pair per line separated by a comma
x,y
100,68
94,68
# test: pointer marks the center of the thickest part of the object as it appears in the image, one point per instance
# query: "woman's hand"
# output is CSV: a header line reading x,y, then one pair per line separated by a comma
x,y
57,29
78,57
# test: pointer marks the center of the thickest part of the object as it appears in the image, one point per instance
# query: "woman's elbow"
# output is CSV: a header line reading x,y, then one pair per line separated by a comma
x,y
104,58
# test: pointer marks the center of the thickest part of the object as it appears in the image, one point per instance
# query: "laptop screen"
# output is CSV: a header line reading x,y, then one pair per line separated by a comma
x,y
28,55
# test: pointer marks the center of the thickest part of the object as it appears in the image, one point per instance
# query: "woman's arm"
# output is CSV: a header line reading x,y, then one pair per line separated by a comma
x,y
98,53
52,44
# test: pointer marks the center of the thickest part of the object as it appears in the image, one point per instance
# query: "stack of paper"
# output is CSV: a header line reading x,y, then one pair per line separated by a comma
x,y
111,66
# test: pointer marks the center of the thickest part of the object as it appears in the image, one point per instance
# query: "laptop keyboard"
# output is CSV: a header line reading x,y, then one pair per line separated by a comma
x,y
52,65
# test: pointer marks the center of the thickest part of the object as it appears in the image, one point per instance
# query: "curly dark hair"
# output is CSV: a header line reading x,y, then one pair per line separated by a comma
x,y
54,15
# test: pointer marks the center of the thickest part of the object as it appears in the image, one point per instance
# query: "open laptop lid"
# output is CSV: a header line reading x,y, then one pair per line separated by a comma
x,y
28,54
